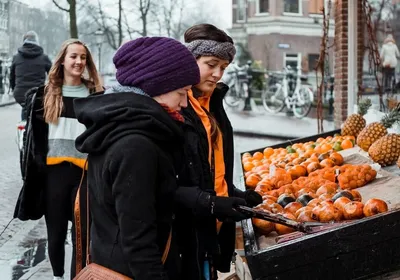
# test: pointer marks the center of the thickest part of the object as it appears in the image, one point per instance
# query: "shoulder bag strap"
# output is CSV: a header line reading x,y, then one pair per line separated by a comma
x,y
78,229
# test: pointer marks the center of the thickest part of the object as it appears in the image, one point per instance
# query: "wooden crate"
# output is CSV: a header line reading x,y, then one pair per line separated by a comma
x,y
358,250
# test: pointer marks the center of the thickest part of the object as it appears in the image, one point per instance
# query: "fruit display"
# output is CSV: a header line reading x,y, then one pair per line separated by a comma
x,y
373,131
386,150
312,182
356,122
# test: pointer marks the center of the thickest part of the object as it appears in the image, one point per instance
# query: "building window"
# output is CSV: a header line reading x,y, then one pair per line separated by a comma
x,y
312,61
241,10
292,60
262,6
292,6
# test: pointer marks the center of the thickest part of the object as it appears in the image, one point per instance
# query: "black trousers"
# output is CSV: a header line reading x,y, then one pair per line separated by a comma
x,y
389,78
61,189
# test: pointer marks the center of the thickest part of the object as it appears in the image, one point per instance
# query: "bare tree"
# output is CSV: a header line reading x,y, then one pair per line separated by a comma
x,y
73,27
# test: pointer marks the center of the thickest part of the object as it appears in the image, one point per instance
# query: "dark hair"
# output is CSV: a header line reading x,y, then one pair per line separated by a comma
x,y
206,31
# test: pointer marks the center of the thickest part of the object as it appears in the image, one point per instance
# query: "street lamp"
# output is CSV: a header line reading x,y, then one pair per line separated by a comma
x,y
99,41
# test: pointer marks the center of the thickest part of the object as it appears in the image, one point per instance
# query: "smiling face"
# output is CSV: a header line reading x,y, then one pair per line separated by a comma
x,y
211,70
175,100
74,61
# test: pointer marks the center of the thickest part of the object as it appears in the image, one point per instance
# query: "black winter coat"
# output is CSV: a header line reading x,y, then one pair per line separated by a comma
x,y
134,147
28,69
197,228
30,203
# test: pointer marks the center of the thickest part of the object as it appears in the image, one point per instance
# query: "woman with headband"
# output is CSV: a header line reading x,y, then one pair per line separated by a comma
x,y
207,198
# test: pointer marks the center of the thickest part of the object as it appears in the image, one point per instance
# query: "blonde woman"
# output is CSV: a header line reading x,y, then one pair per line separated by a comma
x,y
53,166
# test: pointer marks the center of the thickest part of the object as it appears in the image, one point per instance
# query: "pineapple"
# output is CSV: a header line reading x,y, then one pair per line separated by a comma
x,y
386,150
376,130
355,122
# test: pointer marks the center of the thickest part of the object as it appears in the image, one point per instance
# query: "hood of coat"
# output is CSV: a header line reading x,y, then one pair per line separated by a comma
x,y
30,50
110,117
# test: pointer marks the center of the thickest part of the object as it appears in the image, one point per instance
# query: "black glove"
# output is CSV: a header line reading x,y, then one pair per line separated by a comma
x,y
252,198
224,208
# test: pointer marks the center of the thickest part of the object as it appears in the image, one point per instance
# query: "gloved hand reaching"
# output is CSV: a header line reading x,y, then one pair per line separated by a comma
x,y
252,198
224,208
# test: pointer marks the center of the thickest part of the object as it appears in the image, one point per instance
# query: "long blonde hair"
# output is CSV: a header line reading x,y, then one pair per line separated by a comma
x,y
53,103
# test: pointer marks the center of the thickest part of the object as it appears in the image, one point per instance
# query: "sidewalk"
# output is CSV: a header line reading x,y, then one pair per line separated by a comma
x,y
6,99
263,124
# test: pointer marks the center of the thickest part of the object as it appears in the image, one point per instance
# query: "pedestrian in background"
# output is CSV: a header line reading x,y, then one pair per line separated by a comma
x,y
389,55
53,165
206,198
28,69
134,142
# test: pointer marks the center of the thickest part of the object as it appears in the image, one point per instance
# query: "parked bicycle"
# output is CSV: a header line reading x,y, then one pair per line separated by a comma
x,y
290,92
238,81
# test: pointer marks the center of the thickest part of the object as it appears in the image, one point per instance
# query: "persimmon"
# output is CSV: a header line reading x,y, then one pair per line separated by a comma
x,y
326,188
312,167
326,197
263,188
327,163
341,202
305,216
264,227
248,166
292,207
374,206
356,195
253,180
258,156
268,152
281,229
337,158
353,210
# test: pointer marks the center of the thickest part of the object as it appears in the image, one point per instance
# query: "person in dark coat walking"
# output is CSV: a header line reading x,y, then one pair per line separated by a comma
x,y
206,199
134,142
28,69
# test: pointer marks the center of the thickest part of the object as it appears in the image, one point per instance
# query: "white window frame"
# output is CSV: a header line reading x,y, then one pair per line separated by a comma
x,y
237,11
258,13
297,59
300,13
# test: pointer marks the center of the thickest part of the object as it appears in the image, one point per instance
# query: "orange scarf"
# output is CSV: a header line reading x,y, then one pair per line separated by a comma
x,y
200,105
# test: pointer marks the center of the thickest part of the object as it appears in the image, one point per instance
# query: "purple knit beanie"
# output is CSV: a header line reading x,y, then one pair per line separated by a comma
x,y
156,65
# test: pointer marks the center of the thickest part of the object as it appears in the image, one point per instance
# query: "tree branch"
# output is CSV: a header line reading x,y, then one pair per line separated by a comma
x,y
61,8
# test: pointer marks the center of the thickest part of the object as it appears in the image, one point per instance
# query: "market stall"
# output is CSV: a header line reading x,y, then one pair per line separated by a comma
x,y
362,236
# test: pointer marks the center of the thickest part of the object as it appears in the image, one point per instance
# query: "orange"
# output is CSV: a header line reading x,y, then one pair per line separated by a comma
x,y
346,144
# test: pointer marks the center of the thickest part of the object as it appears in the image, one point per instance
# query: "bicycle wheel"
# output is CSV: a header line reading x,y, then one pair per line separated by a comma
x,y
273,99
303,102
232,98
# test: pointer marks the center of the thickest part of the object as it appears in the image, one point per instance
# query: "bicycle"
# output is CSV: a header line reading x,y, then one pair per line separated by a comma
x,y
291,92
238,81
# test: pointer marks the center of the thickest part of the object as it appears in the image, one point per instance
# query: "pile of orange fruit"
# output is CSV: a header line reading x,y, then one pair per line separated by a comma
x,y
294,161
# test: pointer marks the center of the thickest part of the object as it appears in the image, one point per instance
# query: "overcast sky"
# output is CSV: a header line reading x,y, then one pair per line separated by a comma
x,y
222,8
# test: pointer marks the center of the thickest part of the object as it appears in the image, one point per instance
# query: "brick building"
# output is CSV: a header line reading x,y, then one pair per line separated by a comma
x,y
281,32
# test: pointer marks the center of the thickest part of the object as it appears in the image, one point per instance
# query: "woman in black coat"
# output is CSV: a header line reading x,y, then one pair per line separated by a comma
x,y
207,198
134,143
